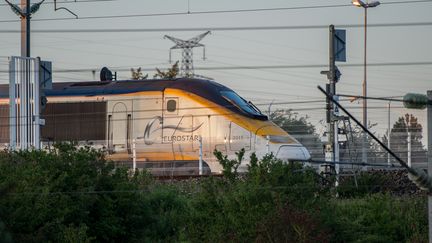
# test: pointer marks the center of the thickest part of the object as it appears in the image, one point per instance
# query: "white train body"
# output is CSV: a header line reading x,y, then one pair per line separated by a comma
x,y
166,119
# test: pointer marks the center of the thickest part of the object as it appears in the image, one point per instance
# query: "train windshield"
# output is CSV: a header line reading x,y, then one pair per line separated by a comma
x,y
241,103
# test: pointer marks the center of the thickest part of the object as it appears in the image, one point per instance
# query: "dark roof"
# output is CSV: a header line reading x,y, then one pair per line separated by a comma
x,y
207,89
91,88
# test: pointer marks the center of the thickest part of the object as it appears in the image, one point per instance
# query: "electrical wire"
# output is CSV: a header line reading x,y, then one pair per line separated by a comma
x,y
217,11
65,2
257,67
235,28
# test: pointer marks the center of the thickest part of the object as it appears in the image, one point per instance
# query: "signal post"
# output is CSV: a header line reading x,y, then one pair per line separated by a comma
x,y
429,153
336,53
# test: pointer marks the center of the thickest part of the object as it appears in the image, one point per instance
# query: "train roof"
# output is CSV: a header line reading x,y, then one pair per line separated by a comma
x,y
92,88
205,88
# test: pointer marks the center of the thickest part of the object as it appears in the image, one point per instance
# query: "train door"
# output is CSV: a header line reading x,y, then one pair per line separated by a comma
x,y
148,124
219,133
202,123
119,126
177,128
239,138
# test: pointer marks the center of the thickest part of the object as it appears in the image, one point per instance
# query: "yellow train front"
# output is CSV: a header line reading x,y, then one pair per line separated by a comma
x,y
165,120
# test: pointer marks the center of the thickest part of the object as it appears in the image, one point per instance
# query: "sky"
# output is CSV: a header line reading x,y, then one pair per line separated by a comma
x,y
87,49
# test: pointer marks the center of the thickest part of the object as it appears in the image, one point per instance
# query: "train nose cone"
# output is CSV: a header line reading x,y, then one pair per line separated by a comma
x,y
292,152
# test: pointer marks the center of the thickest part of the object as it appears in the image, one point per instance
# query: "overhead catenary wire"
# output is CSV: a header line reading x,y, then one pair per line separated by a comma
x,y
348,163
213,29
246,67
419,177
218,11
66,2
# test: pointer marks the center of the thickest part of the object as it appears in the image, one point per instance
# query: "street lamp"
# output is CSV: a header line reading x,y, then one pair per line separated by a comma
x,y
365,6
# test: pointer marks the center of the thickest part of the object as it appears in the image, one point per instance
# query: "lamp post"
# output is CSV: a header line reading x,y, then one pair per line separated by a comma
x,y
365,6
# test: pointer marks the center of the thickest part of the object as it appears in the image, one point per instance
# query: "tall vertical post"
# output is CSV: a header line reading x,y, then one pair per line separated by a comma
x,y
365,139
336,143
13,113
36,109
388,134
200,165
333,124
429,129
134,154
409,148
24,100
336,53
268,144
25,29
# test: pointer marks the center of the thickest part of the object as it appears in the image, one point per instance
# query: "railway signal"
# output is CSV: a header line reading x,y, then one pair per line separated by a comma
x,y
337,52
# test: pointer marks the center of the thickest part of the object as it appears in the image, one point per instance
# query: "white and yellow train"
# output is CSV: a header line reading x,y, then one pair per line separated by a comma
x,y
165,118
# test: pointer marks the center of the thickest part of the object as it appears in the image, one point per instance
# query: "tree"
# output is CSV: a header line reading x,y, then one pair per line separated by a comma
x,y
353,151
137,74
74,195
300,128
170,73
399,139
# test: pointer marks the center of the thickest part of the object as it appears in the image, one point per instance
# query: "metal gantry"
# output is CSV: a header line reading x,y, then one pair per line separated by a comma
x,y
24,103
186,68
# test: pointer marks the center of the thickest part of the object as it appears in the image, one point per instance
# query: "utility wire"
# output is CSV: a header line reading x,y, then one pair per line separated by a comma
x,y
382,64
419,177
235,28
218,11
65,2
372,98
347,163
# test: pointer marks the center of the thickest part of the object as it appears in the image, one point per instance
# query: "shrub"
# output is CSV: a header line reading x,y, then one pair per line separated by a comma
x,y
290,224
73,193
376,218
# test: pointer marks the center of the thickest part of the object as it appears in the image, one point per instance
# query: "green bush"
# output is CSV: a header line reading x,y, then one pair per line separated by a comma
x,y
291,224
232,208
75,195
377,218
362,185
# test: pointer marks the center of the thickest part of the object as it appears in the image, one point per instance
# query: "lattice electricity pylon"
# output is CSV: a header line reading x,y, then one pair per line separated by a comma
x,y
186,68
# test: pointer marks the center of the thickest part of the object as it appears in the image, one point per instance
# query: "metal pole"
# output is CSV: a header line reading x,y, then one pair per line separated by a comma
x,y
333,123
268,144
13,118
365,139
336,150
200,156
134,154
36,104
329,146
28,29
388,134
25,29
409,149
429,127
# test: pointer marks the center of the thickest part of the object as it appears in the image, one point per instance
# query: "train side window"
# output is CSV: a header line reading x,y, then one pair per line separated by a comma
x,y
171,105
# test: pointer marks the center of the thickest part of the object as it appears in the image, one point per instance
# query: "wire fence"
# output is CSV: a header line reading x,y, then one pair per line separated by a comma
x,y
73,119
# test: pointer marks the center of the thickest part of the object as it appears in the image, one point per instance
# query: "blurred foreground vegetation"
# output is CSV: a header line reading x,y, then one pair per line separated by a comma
x,y
75,195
